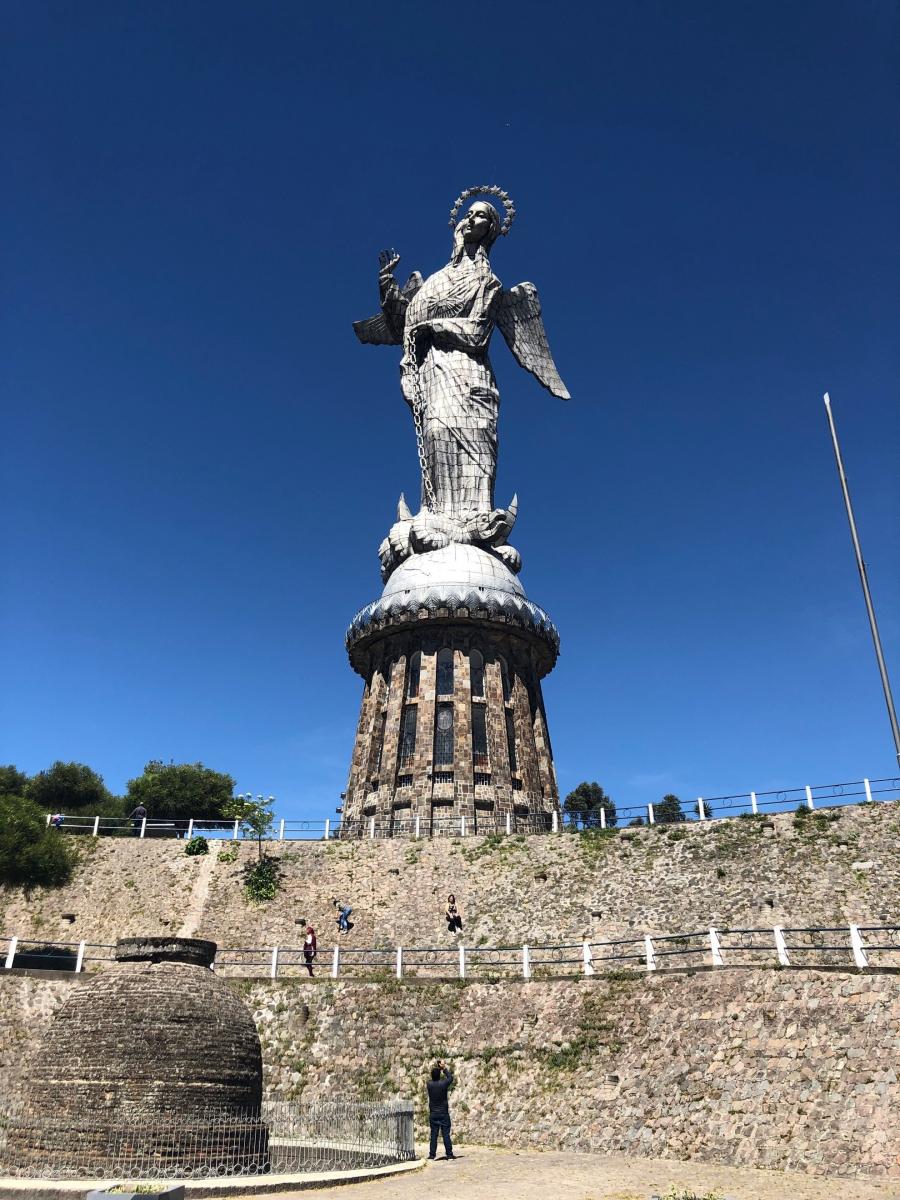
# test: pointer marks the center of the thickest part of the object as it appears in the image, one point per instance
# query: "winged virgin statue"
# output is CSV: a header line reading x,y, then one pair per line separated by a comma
x,y
444,324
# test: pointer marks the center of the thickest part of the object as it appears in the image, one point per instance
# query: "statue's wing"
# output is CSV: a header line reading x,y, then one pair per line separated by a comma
x,y
375,330
519,319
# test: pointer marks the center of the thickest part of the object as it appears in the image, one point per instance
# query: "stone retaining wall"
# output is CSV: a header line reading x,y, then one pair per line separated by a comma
x,y
834,867
769,1068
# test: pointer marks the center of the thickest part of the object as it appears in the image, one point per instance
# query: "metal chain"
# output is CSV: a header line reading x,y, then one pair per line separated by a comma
x,y
417,406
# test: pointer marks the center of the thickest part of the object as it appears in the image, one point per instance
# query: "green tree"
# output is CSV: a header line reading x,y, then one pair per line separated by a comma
x,y
585,804
72,788
255,817
668,811
13,782
179,791
31,854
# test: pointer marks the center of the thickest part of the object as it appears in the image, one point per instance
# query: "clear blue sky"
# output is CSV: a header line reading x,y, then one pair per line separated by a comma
x,y
199,461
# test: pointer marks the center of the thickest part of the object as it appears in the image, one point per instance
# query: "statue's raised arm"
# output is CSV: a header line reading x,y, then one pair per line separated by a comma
x,y
444,325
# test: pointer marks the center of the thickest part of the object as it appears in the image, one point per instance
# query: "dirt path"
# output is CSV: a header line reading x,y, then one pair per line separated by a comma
x,y
199,895
489,1174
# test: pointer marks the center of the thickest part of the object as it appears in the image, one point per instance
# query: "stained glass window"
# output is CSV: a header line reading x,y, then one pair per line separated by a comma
x,y
511,740
412,675
479,737
443,736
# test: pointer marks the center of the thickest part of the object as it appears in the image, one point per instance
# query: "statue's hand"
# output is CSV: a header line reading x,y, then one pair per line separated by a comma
x,y
387,261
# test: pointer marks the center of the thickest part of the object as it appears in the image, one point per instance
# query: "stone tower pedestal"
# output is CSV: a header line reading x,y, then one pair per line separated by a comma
x,y
452,722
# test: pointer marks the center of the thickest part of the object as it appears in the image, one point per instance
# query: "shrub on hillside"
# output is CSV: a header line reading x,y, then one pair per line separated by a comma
x,y
196,845
73,788
179,791
31,854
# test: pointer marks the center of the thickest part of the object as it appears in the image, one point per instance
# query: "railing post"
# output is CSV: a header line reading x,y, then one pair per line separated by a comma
x,y
236,826
327,828
753,805
418,825
190,832
49,815
868,788
273,970
335,962
11,953
143,826
371,828
399,962
809,799
715,947
462,962
588,957
79,961
701,808
508,824
649,952
281,830
781,946
602,816
650,814
526,963
97,827
554,822
462,826
859,950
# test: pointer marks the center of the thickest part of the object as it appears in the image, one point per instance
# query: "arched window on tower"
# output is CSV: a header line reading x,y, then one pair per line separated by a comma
x,y
445,672
504,675
476,672
412,675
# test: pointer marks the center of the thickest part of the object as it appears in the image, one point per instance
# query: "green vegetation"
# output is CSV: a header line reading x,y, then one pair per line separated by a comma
x,y
668,811
196,845
31,854
73,788
262,879
585,804
179,791
255,816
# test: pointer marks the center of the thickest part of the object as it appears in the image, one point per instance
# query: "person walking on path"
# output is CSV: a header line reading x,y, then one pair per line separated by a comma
x,y
438,1108
344,911
454,916
309,948
137,817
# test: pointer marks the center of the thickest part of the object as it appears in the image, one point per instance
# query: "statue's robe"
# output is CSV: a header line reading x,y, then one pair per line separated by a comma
x,y
460,400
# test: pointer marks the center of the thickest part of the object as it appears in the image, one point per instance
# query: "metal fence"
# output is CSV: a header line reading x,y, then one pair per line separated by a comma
x,y
281,1138
874,947
404,824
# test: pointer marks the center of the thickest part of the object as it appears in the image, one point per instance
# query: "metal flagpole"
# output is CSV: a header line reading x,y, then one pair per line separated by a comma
x,y
863,578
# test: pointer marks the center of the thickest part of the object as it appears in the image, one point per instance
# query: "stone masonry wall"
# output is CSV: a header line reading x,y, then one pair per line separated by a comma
x,y
770,1068
825,869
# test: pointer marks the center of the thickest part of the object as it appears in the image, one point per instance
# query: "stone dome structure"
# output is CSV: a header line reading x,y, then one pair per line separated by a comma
x,y
154,1045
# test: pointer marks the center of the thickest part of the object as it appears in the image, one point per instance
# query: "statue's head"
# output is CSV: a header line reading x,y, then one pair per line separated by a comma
x,y
481,225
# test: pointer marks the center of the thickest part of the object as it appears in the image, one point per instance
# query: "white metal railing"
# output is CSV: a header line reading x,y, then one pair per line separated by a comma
x,y
402,824
862,946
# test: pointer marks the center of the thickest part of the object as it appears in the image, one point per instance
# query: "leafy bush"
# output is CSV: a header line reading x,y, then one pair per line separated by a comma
x,y
31,854
13,782
71,787
262,879
173,791
585,804
197,845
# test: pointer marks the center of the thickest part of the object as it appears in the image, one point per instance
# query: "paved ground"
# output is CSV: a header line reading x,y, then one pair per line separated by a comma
x,y
487,1174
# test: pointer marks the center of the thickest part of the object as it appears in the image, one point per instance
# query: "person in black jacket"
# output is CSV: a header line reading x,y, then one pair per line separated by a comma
x,y
438,1109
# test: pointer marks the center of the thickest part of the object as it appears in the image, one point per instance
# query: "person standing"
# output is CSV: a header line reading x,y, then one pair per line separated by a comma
x,y
309,948
439,1109
137,817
